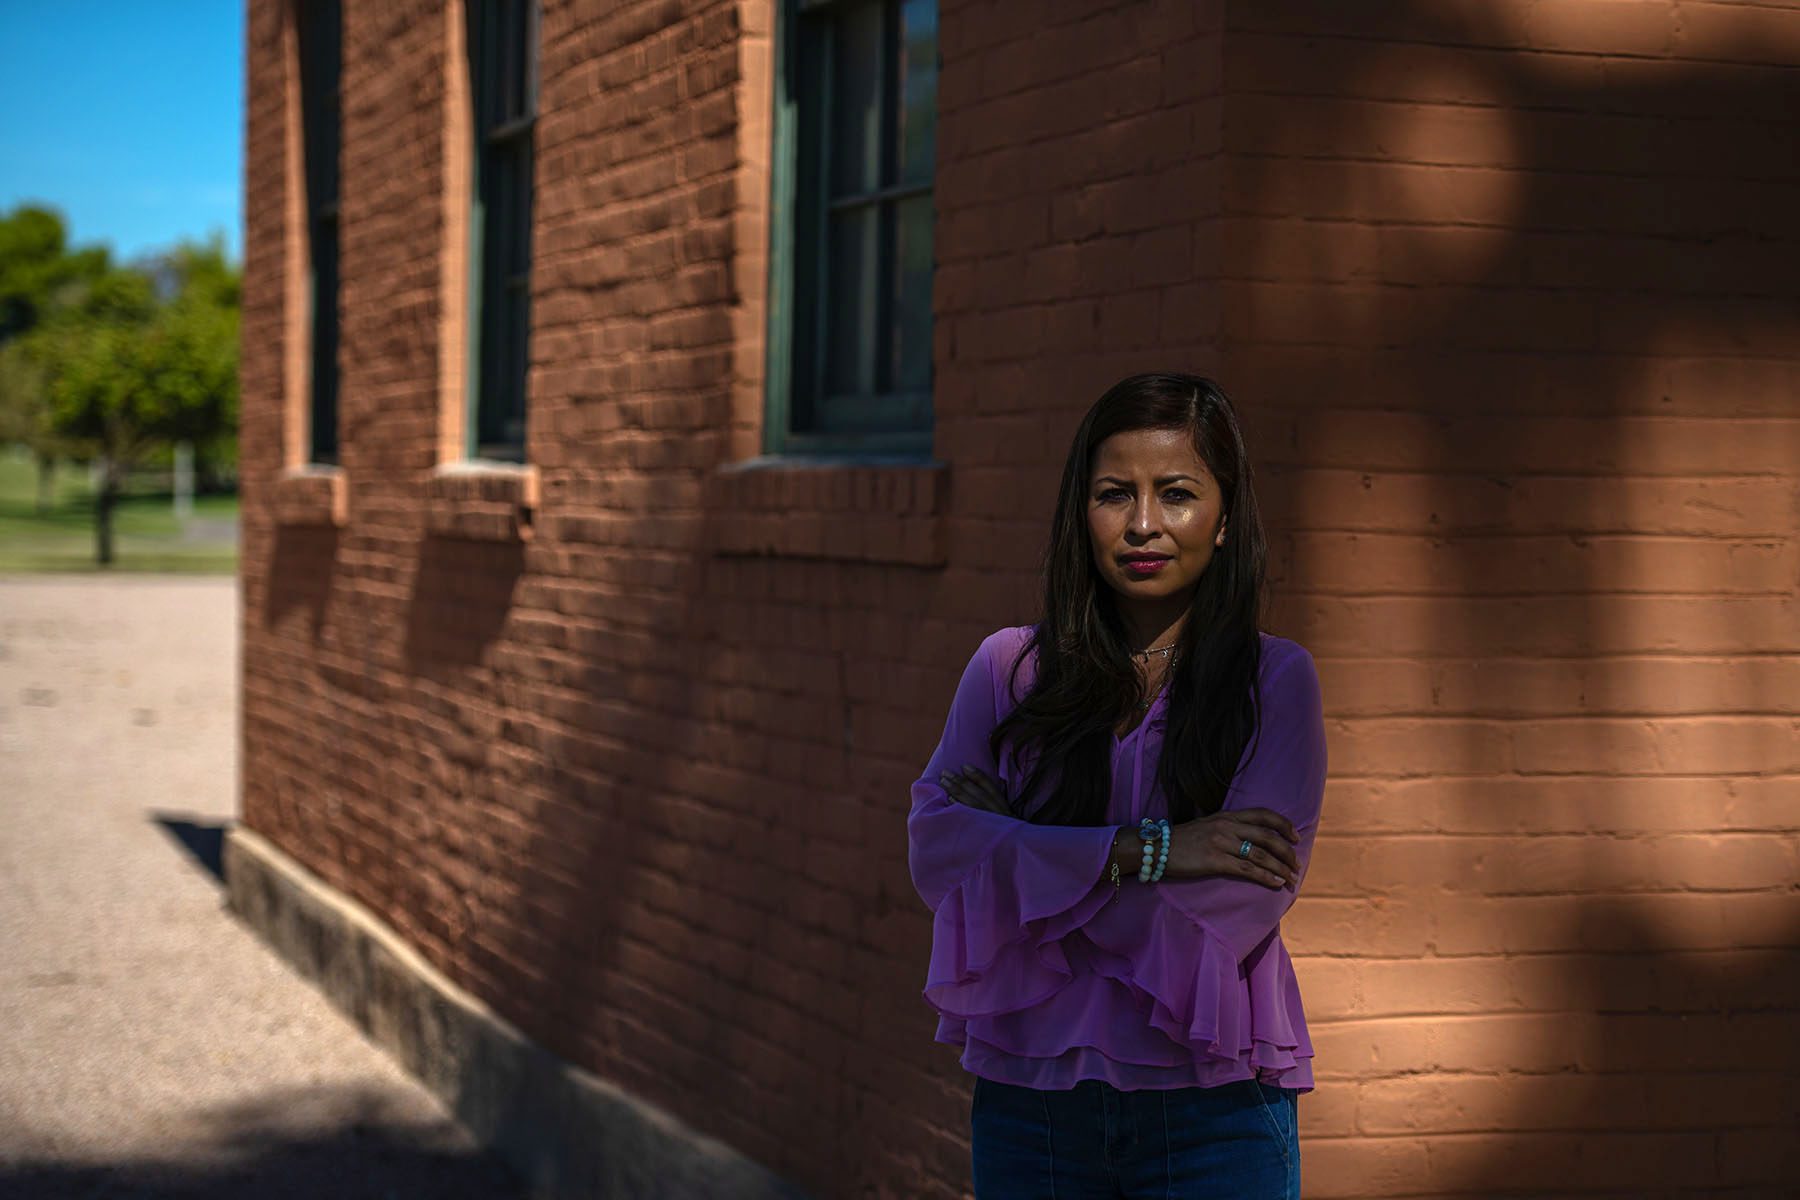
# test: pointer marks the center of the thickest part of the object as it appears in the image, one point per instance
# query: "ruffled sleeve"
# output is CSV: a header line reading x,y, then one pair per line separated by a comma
x,y
1282,769
1004,891
1202,952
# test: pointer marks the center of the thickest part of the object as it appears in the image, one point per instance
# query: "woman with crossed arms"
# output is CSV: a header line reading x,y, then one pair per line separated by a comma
x,y
1119,813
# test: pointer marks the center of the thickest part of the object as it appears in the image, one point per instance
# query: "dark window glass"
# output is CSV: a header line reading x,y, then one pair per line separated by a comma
x,y
503,39
850,312
320,31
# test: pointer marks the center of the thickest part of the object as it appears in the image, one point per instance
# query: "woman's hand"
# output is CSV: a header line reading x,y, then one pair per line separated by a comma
x,y
1208,846
1198,849
976,788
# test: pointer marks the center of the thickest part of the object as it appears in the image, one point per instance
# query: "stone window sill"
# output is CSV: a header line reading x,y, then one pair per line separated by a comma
x,y
311,495
844,509
482,501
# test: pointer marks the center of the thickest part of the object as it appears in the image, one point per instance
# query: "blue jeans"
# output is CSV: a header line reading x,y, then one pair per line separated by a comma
x,y
1236,1141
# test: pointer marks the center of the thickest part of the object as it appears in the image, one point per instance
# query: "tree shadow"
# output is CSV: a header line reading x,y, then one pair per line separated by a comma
x,y
695,791
1501,364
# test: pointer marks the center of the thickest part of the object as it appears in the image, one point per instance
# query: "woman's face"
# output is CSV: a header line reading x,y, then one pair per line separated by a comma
x,y
1150,494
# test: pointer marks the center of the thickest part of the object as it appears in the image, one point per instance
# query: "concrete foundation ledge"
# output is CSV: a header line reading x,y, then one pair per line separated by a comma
x,y
567,1132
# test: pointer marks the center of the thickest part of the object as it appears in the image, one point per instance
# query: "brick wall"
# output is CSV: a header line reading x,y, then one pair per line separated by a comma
x,y
1511,288
1504,292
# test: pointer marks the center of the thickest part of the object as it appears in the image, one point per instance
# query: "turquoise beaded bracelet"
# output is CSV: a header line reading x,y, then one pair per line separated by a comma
x,y
1156,857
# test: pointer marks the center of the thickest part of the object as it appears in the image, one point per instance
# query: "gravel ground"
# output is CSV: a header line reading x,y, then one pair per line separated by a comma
x,y
150,1046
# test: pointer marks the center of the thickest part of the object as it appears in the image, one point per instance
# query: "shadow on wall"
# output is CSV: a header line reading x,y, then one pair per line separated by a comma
x,y
1508,288
461,597
708,903
300,576
683,866
338,1142
610,915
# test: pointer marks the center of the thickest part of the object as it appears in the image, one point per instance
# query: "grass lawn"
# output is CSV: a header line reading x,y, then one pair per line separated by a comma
x,y
146,535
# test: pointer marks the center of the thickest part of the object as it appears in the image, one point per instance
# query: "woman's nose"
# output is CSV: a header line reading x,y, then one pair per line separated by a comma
x,y
1143,517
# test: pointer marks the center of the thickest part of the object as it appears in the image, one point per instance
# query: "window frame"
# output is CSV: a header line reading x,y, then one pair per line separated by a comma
x,y
502,152
798,248
319,63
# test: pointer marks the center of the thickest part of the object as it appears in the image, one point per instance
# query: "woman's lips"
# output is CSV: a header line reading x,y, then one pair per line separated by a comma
x,y
1144,566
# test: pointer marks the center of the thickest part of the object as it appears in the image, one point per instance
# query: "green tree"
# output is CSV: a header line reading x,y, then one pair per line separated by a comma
x,y
37,270
38,275
203,323
143,357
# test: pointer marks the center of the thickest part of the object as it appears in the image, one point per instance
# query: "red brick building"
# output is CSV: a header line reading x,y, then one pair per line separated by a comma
x,y
649,414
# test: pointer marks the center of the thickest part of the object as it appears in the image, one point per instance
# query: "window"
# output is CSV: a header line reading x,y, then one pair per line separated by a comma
x,y
320,49
502,37
850,249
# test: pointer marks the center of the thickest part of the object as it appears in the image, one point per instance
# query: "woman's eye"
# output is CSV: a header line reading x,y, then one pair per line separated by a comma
x,y
1179,495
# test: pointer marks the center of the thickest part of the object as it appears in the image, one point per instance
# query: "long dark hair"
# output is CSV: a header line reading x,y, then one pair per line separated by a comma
x,y
1086,683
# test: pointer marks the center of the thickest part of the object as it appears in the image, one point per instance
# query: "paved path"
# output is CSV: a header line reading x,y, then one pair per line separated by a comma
x,y
149,1045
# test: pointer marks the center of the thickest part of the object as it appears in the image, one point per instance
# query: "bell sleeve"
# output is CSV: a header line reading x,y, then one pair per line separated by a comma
x,y
1202,950
1283,769
1003,891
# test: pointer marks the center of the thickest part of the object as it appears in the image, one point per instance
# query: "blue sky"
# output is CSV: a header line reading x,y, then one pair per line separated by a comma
x,y
126,115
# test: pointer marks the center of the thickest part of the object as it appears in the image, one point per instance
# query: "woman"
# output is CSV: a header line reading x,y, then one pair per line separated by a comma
x,y
1120,993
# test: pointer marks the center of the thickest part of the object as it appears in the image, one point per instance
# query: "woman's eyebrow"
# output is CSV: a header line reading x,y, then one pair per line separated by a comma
x,y
1163,479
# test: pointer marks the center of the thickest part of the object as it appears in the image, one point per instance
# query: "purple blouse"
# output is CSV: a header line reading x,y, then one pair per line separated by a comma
x,y
1044,976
